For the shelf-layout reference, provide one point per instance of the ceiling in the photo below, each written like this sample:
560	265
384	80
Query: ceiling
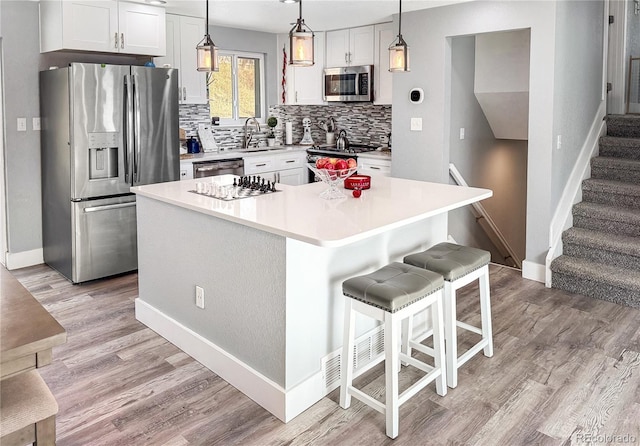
320	15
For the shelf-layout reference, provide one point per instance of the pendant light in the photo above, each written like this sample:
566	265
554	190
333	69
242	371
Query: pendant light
207	50
301	43
399	51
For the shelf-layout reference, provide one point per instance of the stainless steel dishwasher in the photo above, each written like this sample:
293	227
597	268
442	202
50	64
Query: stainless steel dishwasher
218	167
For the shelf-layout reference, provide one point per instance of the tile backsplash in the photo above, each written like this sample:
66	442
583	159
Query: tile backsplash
364	122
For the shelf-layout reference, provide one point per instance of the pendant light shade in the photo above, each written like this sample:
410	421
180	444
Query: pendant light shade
207	50
399	50
301	44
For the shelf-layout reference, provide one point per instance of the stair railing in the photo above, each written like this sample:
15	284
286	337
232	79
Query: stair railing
487	224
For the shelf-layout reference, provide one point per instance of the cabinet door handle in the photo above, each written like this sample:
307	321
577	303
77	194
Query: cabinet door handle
122	40
290	161
296	97
278	175
184	93
374	168
346	57
115	40
261	165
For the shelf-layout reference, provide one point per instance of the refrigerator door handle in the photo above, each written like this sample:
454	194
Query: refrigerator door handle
108	207
128	117
136	131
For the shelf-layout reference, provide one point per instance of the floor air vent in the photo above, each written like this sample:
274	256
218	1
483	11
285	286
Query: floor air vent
365	349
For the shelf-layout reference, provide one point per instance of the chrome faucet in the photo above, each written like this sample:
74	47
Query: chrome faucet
249	135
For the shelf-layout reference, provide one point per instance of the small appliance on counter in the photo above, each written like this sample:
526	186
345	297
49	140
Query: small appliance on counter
306	138
192	145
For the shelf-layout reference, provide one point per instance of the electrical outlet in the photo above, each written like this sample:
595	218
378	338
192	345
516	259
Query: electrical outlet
199	297
22	124
416	124
35	124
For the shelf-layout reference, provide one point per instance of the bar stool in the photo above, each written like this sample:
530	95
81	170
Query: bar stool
27	411
459	265
392	294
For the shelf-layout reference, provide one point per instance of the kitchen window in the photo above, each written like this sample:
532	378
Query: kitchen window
236	91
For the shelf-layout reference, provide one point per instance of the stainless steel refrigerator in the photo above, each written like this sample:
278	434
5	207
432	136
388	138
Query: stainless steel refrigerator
104	129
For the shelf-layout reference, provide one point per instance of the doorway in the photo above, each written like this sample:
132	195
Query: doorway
488	140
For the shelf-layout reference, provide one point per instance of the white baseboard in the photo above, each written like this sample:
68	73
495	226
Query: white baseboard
23	259
533	271
284	404
572	193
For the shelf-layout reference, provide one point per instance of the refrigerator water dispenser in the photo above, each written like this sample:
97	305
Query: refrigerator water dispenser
103	155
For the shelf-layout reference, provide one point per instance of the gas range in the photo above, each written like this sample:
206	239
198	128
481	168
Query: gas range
333	151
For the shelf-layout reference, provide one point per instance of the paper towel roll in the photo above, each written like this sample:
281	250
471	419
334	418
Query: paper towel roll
288	127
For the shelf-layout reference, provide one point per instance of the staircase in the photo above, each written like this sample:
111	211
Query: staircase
602	251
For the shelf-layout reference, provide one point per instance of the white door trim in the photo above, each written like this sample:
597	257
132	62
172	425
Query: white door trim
3	202
617	65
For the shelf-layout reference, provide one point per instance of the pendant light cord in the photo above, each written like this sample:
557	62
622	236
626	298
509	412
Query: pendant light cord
206	19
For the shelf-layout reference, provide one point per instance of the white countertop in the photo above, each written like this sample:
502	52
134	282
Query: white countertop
299	213
376	154
233	154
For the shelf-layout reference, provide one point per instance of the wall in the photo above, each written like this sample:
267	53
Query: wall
255	42
578	81
499	165
424	155
365	123
19	25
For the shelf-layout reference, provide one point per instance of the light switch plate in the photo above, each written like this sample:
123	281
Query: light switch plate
416	124
22	124
35	123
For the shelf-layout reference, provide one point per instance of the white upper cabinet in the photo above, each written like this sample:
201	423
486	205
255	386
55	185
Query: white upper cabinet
108	26
383	79
183	34
303	84
347	47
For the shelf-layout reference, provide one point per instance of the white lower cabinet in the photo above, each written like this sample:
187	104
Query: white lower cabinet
371	166
282	168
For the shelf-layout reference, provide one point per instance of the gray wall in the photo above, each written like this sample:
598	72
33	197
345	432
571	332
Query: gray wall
499	165
256	42
425	155
19	25
578	81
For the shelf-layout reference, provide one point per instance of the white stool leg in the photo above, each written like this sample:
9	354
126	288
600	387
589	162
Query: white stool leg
407	335
450	334
485	311
438	345
391	332
346	363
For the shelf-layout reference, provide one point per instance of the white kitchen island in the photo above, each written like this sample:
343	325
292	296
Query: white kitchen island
272	268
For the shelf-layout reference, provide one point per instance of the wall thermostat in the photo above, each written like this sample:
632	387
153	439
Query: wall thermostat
417	95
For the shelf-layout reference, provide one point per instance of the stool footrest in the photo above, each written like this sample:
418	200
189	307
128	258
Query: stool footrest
422	336
422	348
469	327
472	351
368	400
426	368
418	386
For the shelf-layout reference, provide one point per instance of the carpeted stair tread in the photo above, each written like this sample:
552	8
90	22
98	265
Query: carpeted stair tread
607	212
610	192
605	163
603	247
598	280
596	239
611	186
602	217
611	146
623	125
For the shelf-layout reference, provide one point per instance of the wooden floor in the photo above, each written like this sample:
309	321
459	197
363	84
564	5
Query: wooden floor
566	370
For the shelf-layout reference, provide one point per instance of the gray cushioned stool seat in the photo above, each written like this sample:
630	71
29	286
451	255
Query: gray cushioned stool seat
451	260
393	287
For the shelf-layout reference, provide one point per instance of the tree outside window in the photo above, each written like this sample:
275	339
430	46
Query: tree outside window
236	90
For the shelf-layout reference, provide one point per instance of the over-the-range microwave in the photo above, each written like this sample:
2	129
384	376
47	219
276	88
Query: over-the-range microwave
348	84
